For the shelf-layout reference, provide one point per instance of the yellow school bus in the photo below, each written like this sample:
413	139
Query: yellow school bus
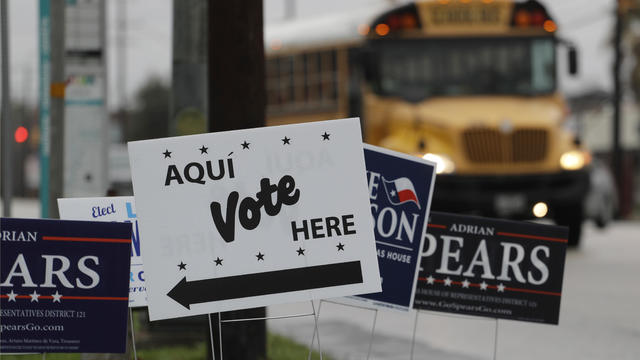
470	84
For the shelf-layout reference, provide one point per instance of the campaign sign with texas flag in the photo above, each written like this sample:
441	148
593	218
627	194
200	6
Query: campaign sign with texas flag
64	286
400	191
400	188
254	217
493	268
117	208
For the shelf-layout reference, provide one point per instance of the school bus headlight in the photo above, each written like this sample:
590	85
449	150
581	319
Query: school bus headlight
444	164
574	160
540	209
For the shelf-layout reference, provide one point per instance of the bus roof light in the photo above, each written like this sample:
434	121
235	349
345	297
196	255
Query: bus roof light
538	18
382	29
550	26
394	22
409	21
276	44
363	29
532	14
398	20
522	18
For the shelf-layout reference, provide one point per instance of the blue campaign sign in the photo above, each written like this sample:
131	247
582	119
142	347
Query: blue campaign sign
113	208
64	286
400	191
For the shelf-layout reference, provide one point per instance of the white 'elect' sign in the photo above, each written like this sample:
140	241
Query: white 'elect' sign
248	218
117	208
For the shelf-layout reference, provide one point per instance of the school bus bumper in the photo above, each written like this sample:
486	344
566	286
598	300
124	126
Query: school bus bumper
511	196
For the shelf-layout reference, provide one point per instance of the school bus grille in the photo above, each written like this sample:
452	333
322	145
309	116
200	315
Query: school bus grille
492	146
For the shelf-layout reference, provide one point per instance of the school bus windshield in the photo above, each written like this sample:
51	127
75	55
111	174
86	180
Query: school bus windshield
416	69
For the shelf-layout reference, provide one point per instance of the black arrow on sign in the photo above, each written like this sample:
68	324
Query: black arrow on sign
188	293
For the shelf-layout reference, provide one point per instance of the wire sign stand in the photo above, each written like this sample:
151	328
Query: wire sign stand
216	320
316	331
415	328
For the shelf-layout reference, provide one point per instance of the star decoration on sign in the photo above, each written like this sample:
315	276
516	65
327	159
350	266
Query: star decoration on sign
260	256
56	297
12	296
167	153
218	261
392	192
203	150
34	296
501	287
447	282
340	246
430	280
182	266
325	136
286	141
465	284
245	145
483	286
300	251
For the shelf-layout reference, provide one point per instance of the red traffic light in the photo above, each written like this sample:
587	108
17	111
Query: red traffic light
21	134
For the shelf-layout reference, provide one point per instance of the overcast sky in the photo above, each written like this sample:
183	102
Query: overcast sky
587	23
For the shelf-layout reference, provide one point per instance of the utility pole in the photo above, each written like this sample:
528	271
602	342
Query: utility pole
121	65
56	170
189	71
237	100
7	142
616	149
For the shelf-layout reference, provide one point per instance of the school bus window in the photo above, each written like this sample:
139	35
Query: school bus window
286	80
306	82
299	88
329	77
272	83
312	77
465	67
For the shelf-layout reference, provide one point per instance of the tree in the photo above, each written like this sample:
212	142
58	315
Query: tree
150	117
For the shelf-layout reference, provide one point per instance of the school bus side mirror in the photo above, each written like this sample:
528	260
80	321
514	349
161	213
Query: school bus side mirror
573	60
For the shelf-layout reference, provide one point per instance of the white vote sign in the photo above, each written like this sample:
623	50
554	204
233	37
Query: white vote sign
117	208
248	218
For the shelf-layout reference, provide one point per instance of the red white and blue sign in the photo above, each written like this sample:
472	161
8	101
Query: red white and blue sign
64	286
400	192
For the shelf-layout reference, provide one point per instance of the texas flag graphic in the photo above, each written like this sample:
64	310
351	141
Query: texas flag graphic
400	191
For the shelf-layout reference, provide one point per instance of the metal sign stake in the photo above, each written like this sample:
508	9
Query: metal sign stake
213	349
316	330
495	343
133	336
373	330
413	336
